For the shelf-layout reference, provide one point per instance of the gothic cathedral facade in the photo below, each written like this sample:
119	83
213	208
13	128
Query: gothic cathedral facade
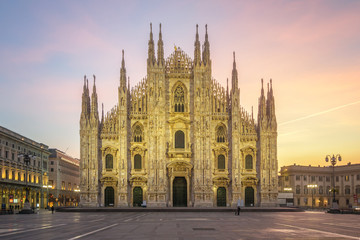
178	138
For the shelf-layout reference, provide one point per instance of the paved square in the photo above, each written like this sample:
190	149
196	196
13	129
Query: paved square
180	225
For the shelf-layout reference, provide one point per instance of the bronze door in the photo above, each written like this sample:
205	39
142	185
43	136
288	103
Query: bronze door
249	197
109	197
221	197
179	192
137	197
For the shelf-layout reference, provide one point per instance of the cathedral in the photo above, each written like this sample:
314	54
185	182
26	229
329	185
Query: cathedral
178	138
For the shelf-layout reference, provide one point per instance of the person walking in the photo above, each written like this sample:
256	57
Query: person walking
238	207
52	209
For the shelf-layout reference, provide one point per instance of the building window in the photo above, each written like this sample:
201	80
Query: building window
357	189
6	174
52	163
297	177
337	178
347	189
220	134
305	190
358	177
321	190
51	169
138	134
12	156
221	162
137	162
312	178
51	183
19	177
327	178
179	99
298	189
337	190
305	178
248	162
6	154
62	185
69	186
347	178
298	201
13	175
286	178
109	161
320	178
179	139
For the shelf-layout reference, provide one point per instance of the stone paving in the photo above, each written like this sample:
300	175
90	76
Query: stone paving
180	225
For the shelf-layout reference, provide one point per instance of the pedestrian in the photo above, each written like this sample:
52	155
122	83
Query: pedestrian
238	207
52	209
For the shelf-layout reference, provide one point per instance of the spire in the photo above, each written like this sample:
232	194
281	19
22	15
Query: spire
271	107
234	79
102	113
206	49
160	52
88	96
262	104
123	73
151	49
94	103
85	101
197	56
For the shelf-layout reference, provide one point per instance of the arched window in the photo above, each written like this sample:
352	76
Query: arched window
248	162
220	134
297	189
138	134
109	161
221	162
179	139
179	99
321	190
137	162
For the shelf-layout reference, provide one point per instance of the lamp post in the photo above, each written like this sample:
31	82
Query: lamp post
26	209
333	160
312	187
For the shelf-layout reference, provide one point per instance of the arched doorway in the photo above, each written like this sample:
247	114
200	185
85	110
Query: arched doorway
249	197
109	197
179	192
137	196
221	197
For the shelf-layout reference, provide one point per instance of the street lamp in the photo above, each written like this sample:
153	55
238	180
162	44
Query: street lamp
27	158
312	187
333	160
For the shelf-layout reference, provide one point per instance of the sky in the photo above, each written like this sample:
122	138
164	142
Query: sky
310	50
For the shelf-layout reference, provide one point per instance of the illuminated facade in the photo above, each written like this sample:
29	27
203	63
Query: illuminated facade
297	179
178	138
64	179
13	170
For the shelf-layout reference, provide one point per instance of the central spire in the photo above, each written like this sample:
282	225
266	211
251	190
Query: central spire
123	72
160	49
234	79
151	50
197	56
206	50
